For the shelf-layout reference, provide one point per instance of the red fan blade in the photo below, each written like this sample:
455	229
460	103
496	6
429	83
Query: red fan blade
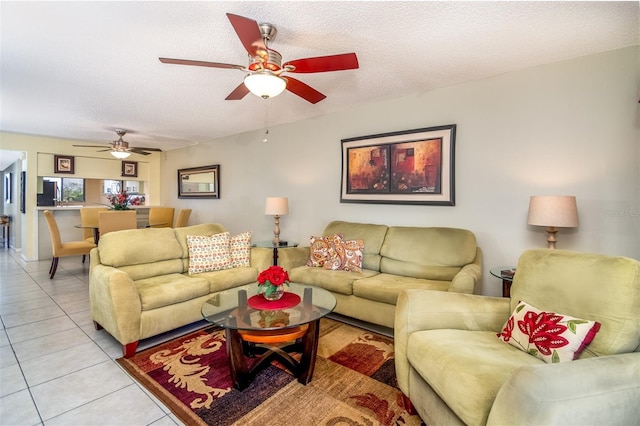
238	93
249	34
199	63
346	61
304	90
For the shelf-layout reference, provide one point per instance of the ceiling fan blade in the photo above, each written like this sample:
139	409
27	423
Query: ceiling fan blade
304	90
345	61
138	151
200	63
91	146
238	93
146	149
249	34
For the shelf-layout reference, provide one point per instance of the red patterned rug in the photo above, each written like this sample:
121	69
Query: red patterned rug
353	383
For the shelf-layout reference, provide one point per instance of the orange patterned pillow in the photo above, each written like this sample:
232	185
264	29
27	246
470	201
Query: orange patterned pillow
345	255
319	250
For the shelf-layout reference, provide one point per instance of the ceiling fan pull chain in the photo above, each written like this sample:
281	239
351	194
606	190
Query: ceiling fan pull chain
266	121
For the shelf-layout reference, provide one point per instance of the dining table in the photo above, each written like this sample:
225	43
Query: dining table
96	228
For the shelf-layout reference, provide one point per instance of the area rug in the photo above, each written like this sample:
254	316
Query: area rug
354	382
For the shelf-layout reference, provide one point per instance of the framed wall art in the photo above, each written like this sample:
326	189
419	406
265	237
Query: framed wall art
199	182
130	168
8	194
63	164
406	167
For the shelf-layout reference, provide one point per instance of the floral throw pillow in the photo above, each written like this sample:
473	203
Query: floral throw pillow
319	250
345	255
549	336
240	250
209	253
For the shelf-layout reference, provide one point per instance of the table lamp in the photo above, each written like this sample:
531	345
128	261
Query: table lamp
552	211
276	207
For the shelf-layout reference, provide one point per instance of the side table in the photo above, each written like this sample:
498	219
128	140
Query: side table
275	247
505	273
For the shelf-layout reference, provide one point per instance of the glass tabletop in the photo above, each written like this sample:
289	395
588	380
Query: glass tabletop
271	244
503	272
242	308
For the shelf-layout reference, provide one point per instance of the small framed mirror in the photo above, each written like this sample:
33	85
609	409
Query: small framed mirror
199	182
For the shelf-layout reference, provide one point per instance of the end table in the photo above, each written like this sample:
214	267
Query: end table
505	273
270	244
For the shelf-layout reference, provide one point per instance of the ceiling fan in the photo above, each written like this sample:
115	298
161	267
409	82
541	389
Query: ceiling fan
120	148
265	66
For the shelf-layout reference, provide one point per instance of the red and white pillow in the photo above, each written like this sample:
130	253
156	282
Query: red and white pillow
219	251
332	252
548	336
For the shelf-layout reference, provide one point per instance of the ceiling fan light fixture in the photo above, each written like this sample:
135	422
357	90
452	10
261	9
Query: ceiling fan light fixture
120	154
265	84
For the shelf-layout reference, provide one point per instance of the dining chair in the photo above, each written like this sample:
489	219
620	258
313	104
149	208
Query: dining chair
161	217
60	249
183	218
116	220
89	222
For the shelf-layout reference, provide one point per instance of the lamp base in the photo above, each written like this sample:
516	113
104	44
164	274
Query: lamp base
551	237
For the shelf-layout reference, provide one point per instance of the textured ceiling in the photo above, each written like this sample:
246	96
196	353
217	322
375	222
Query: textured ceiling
78	70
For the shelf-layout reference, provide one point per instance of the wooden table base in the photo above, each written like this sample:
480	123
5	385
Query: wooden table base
263	344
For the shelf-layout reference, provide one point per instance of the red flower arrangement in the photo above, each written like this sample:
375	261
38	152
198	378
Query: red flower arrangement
271	281
122	200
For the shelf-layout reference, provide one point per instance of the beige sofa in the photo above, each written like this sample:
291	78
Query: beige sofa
140	287
455	370
394	259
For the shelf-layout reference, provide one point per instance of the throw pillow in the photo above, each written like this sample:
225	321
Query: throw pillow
549	336
240	250
208	253
345	255
319	250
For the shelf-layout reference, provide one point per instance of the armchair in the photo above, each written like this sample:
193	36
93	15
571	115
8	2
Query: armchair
453	369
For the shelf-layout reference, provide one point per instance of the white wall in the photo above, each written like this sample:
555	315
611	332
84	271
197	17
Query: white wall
568	128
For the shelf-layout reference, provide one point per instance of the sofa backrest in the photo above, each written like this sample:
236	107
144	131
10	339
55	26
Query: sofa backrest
142	253
427	252
587	286
372	234
149	252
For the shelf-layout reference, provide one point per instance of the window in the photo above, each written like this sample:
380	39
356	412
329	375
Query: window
69	189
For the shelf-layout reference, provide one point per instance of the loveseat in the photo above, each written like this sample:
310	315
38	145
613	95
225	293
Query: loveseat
460	359
140	286
394	258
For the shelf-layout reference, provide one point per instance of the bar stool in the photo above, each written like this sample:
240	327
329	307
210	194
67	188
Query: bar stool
6	230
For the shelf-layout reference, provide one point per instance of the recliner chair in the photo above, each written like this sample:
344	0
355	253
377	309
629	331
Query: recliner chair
453	368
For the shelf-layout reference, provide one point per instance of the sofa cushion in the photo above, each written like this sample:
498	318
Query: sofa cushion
386	288
229	278
549	336
240	250
209	253
336	281
465	368
429	253
165	290
138	246
373	236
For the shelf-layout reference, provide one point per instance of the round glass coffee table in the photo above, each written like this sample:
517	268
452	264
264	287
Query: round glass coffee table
258	331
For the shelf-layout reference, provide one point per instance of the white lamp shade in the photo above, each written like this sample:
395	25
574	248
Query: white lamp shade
265	84
120	154
553	210
277	206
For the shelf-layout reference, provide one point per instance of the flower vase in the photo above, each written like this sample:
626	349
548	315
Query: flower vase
273	292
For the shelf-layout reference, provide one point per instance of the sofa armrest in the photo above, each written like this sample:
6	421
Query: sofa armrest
261	258
292	257
594	391
431	309
467	279
115	303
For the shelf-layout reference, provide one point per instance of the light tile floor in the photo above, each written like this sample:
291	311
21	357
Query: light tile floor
55	368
